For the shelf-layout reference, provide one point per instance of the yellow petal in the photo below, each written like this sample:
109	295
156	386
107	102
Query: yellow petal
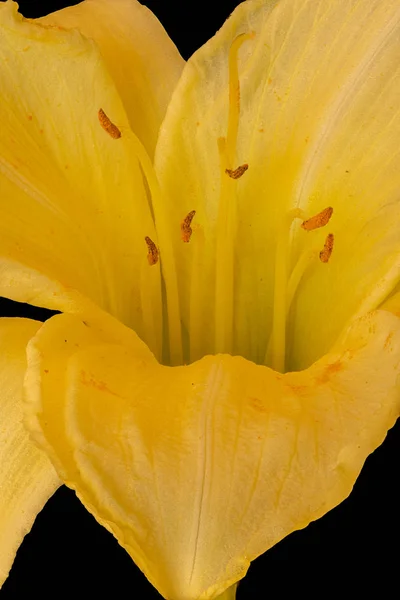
143	62
27	478
199	469
318	126
74	210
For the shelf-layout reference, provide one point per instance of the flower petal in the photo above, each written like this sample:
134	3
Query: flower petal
27	478
143	61
199	469
319	126
74	209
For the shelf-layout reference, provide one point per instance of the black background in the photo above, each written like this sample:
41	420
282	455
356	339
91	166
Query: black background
352	551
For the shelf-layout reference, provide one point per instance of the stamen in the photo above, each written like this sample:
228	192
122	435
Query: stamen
325	254
150	299
305	261
108	126
284	289
319	220
152	255
165	235
186	230
238	172
278	334
198	286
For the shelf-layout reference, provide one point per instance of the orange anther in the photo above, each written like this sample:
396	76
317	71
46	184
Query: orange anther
238	172
108	126
152	254
319	220
186	230
325	254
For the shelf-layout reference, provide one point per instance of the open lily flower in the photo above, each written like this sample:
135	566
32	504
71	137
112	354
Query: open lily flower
225	253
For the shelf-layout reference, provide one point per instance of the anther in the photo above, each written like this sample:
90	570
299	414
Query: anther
186	230
108	125
152	254
238	172
326	252
319	220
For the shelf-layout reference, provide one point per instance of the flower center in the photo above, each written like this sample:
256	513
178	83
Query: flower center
170	345
193	268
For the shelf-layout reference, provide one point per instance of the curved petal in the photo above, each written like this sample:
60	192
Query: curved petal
318	126
143	62
74	209
199	469
27	478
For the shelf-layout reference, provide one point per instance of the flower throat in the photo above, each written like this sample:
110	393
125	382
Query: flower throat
181	343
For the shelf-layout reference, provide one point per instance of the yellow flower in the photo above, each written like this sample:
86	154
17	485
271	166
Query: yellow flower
229	352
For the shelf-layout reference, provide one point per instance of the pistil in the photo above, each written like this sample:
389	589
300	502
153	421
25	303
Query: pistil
226	224
224	268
